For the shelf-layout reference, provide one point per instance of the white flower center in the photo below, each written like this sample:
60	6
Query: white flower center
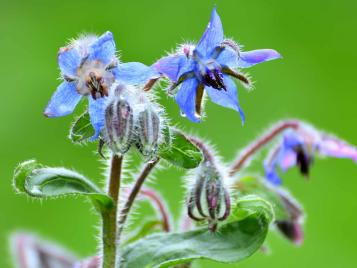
94	78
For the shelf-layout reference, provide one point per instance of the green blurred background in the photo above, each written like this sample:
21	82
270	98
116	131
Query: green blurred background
315	81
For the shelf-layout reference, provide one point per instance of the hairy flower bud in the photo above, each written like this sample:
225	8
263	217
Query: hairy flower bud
209	200
291	227
119	121
291	230
148	131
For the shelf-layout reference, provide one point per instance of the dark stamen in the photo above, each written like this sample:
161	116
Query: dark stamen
96	85
303	161
214	78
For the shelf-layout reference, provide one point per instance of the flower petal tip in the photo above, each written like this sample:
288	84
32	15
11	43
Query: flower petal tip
47	114
276	55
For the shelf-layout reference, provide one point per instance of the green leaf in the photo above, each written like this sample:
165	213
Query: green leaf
145	229
289	216
38	181
81	129
257	186
178	150
234	241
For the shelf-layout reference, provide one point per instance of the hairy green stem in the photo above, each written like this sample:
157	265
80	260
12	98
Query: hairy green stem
110	230
134	193
261	142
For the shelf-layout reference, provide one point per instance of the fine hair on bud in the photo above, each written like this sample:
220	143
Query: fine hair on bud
209	198
119	125
148	130
132	117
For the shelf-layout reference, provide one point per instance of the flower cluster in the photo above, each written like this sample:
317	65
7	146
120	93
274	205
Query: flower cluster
123	114
132	118
89	67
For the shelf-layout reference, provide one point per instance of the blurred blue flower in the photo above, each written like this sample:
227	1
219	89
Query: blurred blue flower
208	66
298	148
89	67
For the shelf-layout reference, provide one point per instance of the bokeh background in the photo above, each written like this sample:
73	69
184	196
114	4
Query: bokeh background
316	81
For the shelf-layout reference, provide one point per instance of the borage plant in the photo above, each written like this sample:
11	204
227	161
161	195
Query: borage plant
227	214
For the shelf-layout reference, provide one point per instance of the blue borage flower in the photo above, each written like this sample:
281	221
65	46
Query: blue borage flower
298	148
209	66
89	67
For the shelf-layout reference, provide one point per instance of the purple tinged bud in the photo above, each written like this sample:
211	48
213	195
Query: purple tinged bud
119	122
94	262
31	252
291	227
148	131
209	200
291	230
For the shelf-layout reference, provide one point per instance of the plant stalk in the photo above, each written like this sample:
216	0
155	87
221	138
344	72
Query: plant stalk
110	229
134	193
156	200
261	142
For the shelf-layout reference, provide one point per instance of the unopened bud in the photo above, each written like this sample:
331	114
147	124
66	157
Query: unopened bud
291	227
209	200
119	122
291	230
148	131
31	252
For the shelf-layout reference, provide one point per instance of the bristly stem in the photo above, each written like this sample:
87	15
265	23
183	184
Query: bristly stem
110	229
261	142
155	198
204	148
134	193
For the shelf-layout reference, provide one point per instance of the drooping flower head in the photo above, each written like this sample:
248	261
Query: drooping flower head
298	148
89	67
208	197
209	67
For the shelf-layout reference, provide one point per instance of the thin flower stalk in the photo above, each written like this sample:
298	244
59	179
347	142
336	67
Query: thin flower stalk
110	229
134	193
260	143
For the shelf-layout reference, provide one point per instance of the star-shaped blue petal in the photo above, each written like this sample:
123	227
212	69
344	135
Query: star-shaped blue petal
208	66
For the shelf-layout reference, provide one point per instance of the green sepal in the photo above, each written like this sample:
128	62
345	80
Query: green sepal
81	129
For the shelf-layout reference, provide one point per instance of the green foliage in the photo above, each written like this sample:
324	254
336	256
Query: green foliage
178	150
236	240
146	228
257	186
81	129
288	214
38	181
